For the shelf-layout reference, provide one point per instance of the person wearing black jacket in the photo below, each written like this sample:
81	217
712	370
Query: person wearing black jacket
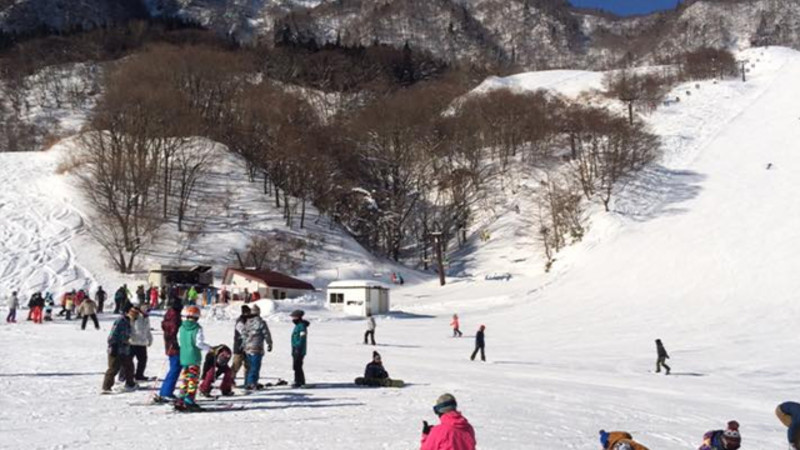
239	356
100	297
480	344
662	357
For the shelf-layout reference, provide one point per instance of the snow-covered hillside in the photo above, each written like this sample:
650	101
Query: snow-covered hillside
700	251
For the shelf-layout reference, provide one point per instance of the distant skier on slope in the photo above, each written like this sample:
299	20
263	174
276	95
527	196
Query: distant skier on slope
789	414
662	357
480	344
376	375
619	440
456	326
453	432
192	343
727	439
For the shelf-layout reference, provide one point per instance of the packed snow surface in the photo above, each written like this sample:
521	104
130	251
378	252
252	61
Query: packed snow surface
701	251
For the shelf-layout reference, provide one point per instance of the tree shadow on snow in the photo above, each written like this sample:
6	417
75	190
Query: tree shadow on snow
656	190
51	374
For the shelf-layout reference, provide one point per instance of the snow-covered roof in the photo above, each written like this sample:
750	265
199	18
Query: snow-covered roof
344	284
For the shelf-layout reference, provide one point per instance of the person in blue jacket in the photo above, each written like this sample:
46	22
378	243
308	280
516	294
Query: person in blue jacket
299	340
789	414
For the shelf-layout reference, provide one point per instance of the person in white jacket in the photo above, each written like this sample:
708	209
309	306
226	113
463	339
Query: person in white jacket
13	304
370	329
141	338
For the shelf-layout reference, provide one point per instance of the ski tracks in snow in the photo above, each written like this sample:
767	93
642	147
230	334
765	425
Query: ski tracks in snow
37	227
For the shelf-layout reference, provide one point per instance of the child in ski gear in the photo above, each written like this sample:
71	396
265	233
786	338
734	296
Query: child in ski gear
69	305
480	344
141	338
256	332
662	357
727	439
48	307
170	326
454	431
619	440
299	344
88	309
38	307
13	304
100	297
456	331
239	356
192	343
119	350
216	364
789	414
370	329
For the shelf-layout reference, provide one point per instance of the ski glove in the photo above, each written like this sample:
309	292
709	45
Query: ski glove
425	427
269	347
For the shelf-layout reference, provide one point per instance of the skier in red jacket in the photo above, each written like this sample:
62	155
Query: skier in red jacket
454	431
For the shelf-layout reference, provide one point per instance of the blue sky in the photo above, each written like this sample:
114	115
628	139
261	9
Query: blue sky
627	7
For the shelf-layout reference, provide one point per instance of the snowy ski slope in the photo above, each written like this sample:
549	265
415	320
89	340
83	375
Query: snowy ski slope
702	252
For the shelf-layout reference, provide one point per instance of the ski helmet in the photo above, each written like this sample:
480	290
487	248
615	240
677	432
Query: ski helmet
192	312
731	439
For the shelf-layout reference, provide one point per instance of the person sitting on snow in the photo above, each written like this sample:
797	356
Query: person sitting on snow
216	364
375	374
789	414
728	439
619	440
453	432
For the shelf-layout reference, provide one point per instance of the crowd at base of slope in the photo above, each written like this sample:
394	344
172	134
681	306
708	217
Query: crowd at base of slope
184	344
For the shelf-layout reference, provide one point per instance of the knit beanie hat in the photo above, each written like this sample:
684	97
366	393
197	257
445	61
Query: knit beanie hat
245	309
376	355
444	404
731	437
604	438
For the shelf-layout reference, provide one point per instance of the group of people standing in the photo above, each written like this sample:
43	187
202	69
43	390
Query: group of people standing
40	307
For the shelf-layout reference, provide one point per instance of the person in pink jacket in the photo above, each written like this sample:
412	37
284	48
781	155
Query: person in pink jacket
453	432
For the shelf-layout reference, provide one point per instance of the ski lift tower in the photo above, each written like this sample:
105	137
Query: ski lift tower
437	243
743	63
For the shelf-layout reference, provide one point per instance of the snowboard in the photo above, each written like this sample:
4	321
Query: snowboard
361	381
217	407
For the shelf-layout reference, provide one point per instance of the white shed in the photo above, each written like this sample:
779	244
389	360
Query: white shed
358	297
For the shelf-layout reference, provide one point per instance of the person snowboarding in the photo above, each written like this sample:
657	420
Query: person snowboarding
727	439
456	329
619	440
192	343
453	432
119	357
170	325
376	375
13	304
662	357
87	310
100	297
299	346
789	414
214	366
141	338
370	333
239	356
256	333
480	344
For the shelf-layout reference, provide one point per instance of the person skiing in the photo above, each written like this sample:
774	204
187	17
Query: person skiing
376	375
141	338
239	356
88	309
727	439
192	343
13	304
100	296
119	358
256	332
120	298
456	331
619	440
789	414
299	345
216	364
453	432
662	357
480	344
370	329
170	326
